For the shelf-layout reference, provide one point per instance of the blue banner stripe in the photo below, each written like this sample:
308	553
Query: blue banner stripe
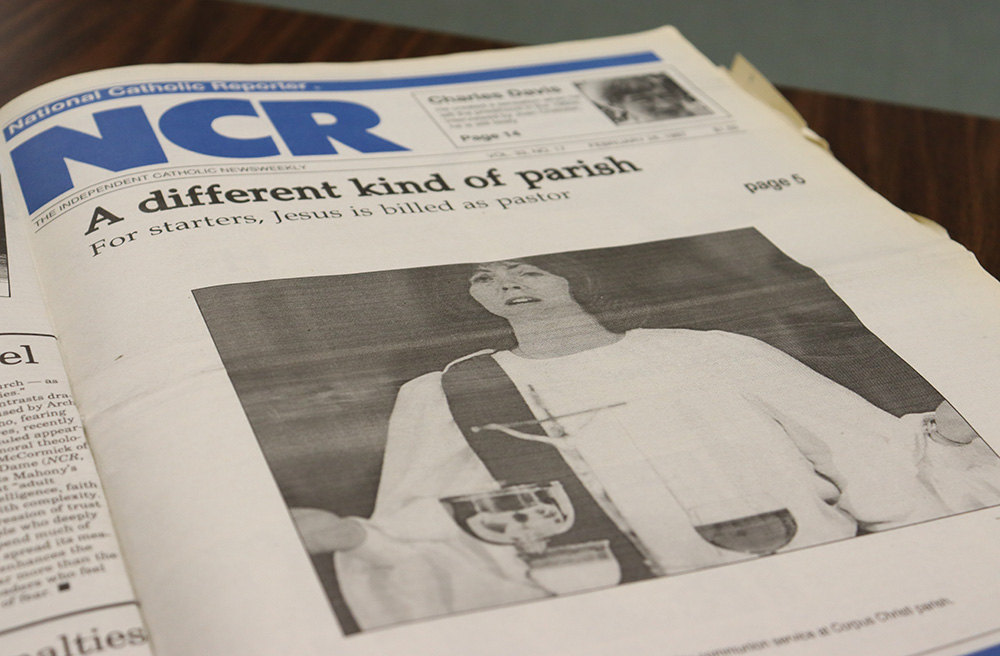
487	75
298	86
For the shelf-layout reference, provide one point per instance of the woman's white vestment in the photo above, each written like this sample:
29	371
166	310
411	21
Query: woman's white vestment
677	428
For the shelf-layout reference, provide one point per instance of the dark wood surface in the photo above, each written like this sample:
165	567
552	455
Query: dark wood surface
941	165
937	164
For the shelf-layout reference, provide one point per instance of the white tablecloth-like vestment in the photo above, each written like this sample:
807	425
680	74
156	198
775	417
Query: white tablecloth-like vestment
701	424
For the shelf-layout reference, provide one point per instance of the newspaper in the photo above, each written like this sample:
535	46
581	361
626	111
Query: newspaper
564	349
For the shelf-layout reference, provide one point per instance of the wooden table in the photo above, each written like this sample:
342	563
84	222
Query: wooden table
941	165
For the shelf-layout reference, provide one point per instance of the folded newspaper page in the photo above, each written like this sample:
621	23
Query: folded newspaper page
63	584
564	349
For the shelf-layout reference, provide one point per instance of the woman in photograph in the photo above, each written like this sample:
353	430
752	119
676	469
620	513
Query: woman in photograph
644	98
677	450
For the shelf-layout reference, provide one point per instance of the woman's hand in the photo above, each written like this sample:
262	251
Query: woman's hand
950	426
323	532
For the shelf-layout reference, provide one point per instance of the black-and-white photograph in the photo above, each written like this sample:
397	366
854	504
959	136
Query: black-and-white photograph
642	98
455	438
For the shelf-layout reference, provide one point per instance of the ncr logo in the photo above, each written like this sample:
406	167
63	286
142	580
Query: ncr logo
127	139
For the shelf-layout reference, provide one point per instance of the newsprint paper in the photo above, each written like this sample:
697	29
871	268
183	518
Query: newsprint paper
574	349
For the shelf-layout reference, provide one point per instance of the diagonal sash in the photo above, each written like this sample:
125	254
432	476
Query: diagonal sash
479	392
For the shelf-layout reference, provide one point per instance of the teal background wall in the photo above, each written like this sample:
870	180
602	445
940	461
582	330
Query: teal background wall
943	54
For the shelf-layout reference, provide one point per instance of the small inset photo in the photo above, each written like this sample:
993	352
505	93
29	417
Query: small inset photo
642	98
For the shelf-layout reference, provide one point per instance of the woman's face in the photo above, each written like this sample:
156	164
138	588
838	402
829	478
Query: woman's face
653	105
513	289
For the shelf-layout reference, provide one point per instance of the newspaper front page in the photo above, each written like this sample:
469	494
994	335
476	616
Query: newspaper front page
568	349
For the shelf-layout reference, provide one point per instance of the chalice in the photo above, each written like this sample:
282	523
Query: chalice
526	517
